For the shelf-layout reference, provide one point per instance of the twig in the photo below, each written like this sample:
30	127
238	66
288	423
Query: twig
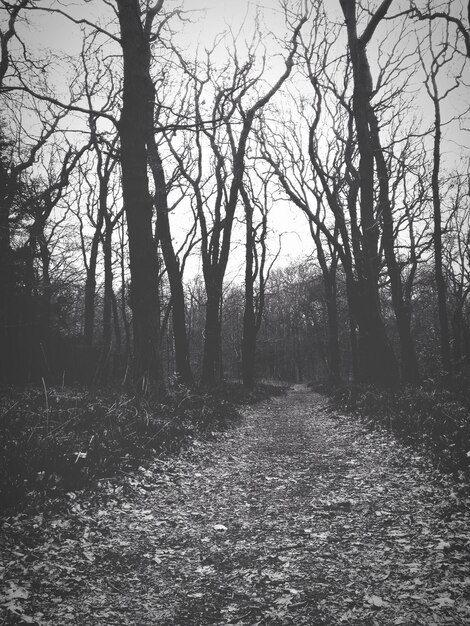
291	547
47	404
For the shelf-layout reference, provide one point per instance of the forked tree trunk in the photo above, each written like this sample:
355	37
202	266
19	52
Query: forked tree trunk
377	363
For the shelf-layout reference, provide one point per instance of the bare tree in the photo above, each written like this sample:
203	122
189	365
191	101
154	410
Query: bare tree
136	118
440	60
458	21
456	249
228	150
256	196
381	364
13	10
296	175
39	206
172	264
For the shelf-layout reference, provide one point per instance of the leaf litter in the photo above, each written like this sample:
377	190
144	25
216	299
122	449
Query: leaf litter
297	517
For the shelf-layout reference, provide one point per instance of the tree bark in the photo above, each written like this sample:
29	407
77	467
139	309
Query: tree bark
90	285
333	359
402	308
6	265
249	317
104	369
377	363
212	355
133	125
438	264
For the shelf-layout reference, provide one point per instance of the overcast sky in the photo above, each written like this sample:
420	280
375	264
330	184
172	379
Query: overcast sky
211	18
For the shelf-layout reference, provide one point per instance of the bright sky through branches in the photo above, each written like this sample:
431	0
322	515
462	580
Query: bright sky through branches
209	18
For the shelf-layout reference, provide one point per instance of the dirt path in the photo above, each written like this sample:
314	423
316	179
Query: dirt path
296	517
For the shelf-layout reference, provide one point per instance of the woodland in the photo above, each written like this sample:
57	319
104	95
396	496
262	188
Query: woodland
197	216
140	178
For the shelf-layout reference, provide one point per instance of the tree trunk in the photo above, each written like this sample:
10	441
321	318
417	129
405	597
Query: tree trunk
465	344
409	362
457	323
46	296
133	125
5	237
107	305
108	291
353	346
329	286
249	317
249	349
333	359
438	265
212	356
126	357
6	266
178	308
90	286
377	363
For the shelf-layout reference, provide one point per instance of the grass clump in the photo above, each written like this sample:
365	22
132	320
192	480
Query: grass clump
62	439
434	419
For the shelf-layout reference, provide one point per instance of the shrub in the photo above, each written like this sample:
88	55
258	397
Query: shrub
63	439
421	417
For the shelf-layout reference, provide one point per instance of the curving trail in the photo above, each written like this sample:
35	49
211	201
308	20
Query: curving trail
296	517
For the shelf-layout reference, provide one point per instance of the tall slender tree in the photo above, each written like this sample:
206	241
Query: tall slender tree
136	118
441	58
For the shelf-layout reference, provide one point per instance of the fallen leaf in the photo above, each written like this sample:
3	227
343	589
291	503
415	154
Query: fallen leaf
375	601
15	592
444	601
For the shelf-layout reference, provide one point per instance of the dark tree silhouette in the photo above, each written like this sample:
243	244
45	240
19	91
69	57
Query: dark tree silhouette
136	118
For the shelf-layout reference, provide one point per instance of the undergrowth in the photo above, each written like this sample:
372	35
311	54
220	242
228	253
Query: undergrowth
57	439
434	419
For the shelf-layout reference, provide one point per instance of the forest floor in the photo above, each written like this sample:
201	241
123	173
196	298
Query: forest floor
298	516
